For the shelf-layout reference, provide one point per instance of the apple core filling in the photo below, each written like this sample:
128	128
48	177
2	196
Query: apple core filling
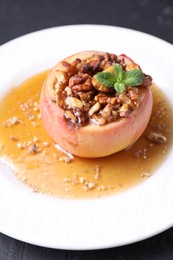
101	89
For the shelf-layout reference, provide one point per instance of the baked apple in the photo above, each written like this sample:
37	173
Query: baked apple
94	104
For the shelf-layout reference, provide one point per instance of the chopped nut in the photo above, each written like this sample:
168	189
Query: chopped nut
33	149
58	88
81	117
82	180
76	79
85	96
96	168
82	87
89	185
91	65
86	107
34	123
156	138
31	117
80	82
70	116
12	121
66	180
20	145
61	77
68	91
114	115
141	153
39	116
146	174
112	100
101	188
24	106
98	119
124	110
66	189
35	139
44	153
107	112
94	109
101	98
13	138
133	93
46	144
126	100
36	107
73	102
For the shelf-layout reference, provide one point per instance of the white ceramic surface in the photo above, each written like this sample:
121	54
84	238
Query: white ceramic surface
130	216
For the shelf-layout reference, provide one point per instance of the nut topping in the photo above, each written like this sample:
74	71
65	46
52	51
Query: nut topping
85	100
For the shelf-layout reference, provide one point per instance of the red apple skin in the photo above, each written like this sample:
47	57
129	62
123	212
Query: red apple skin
92	140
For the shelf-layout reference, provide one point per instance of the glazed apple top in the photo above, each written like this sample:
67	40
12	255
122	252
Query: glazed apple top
98	89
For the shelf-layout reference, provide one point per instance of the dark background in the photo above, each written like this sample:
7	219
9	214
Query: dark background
19	17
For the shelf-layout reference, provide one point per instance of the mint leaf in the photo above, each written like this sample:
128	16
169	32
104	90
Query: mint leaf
118	72
119	87
105	78
133	78
120	79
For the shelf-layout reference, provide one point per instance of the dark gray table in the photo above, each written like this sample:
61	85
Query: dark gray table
19	17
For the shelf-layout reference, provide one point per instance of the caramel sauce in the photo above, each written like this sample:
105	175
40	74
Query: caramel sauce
26	147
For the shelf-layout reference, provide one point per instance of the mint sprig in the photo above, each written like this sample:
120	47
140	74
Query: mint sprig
120	79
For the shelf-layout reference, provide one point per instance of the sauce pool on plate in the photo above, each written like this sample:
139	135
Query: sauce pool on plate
28	150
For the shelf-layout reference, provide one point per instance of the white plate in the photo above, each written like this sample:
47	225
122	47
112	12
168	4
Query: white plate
130	216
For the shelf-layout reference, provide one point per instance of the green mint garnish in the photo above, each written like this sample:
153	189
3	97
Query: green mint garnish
120	79
106	78
133	77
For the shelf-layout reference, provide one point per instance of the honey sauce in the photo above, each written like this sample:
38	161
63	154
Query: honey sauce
32	156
